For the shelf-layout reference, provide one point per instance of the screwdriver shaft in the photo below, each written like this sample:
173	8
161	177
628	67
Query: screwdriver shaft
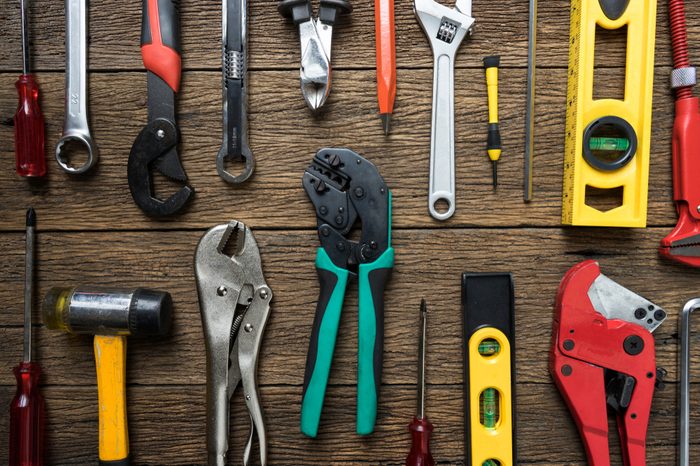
29	283
421	360
25	38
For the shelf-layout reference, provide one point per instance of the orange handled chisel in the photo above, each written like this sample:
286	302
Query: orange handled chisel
386	59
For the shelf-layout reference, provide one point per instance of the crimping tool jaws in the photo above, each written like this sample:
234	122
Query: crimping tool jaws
344	187
602	357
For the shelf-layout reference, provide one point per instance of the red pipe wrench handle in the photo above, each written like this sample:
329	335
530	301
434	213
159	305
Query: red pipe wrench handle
686	189
686	155
160	41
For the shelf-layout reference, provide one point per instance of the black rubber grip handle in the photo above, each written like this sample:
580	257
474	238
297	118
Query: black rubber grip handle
299	11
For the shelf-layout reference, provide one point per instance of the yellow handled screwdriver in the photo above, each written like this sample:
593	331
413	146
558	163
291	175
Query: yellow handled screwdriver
493	141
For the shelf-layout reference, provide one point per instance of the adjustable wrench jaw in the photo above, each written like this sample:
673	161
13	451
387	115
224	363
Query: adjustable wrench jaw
683	243
235	305
603	356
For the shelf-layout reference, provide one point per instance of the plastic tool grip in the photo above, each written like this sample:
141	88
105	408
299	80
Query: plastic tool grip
29	129
160	40
27	418
110	362
373	278
420	443
686	162
333	281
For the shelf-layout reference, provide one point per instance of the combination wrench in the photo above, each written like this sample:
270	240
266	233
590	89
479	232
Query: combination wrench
446	28
76	129
235	91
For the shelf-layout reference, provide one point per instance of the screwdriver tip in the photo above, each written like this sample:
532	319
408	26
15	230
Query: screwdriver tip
386	122
31	217
423	306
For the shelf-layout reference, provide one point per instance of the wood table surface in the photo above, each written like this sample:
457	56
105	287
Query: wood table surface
90	231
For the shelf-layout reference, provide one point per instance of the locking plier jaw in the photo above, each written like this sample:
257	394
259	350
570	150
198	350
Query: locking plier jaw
602	357
235	305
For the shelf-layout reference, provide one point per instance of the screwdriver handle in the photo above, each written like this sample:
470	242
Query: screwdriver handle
27	418
29	129
420	455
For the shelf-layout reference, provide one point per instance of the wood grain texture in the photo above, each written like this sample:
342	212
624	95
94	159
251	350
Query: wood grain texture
90	231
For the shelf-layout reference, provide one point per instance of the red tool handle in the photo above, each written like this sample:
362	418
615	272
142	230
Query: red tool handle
27	418
160	40
29	129
420	447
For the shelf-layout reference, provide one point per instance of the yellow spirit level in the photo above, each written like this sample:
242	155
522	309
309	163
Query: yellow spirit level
623	167
487	302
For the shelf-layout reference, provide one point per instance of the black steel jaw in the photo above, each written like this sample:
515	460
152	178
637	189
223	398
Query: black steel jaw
155	148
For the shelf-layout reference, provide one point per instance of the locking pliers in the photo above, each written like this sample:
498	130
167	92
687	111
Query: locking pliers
234	301
602	357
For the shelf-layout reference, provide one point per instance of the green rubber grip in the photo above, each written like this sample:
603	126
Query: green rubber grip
372	279
333	280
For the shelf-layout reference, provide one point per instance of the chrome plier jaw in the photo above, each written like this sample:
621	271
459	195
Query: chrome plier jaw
602	358
234	303
315	37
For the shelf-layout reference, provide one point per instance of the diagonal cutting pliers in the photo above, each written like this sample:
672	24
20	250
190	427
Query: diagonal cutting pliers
156	145
344	188
315	35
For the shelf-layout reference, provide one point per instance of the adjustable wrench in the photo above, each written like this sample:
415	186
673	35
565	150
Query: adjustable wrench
234	45
75	125
446	28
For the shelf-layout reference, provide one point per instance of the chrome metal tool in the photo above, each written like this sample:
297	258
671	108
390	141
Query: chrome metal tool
234	44
76	129
530	101
446	28
684	422
234	301
315	35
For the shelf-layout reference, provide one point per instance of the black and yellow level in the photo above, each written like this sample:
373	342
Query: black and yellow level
487	303
608	140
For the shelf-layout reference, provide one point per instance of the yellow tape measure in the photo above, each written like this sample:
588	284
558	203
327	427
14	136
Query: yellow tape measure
608	140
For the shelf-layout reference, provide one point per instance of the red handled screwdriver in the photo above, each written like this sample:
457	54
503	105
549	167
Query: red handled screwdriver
29	122
27	407
421	428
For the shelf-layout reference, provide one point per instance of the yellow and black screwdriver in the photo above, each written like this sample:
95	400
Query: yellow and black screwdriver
493	141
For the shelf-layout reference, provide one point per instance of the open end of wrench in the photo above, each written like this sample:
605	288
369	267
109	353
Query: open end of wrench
71	147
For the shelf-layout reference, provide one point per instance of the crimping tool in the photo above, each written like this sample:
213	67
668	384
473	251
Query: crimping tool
345	187
602	356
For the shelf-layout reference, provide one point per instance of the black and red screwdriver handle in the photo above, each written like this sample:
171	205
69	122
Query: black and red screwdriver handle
161	47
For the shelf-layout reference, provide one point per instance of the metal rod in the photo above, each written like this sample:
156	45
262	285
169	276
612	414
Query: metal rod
421	359
684	422
29	284
530	101
25	37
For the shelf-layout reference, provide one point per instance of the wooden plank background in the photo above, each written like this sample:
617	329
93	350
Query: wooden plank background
90	231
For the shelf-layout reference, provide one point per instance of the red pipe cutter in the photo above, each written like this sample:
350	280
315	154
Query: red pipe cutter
603	357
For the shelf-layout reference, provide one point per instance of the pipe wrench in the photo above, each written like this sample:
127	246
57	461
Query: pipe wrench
156	145
234	44
234	302
446	28
602	358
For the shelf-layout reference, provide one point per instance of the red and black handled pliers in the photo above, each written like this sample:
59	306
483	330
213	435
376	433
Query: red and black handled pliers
156	145
603	358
